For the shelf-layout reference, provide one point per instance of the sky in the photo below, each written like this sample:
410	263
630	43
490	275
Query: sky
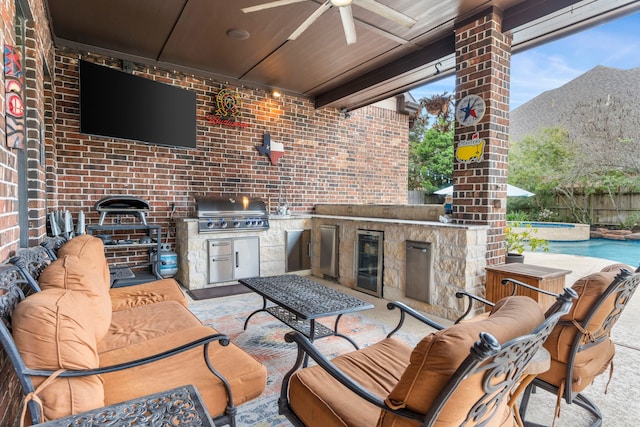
614	44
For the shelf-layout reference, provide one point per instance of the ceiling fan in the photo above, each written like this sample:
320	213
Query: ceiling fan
345	14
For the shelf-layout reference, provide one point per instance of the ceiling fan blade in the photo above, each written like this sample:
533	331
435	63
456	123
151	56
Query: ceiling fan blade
386	12
310	20
347	23
269	5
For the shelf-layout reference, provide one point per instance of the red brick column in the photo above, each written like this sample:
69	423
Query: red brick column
483	57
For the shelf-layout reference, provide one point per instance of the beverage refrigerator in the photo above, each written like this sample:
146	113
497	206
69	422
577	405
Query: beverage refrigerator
369	261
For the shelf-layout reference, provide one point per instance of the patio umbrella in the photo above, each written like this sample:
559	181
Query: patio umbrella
512	191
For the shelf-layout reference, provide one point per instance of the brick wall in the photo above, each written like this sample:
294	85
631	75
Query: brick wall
328	158
483	55
33	38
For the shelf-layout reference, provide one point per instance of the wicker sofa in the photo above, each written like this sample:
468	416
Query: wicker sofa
106	345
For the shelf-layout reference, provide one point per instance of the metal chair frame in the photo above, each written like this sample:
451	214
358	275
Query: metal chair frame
502	367
622	289
624	285
14	285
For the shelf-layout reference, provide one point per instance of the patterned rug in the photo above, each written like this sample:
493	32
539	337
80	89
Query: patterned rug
264	340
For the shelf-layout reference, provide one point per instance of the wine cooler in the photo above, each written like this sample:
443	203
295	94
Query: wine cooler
369	248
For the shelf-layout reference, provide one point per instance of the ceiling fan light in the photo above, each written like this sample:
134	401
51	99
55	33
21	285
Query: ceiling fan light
238	34
341	3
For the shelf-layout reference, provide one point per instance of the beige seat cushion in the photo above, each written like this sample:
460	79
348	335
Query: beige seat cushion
595	360
246	375
320	400
70	272
144	323
53	329
90	250
438	355
407	377
146	293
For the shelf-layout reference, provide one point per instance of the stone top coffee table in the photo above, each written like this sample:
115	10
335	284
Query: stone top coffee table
300	301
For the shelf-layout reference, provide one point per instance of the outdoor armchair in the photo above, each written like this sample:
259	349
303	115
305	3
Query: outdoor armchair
580	345
464	374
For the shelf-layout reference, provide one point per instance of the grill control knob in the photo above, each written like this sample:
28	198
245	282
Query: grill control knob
210	224
236	224
223	224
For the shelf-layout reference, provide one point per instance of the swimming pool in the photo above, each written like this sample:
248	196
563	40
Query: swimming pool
553	230
626	251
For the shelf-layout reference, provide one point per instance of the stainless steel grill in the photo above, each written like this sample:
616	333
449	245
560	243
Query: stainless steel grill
217	214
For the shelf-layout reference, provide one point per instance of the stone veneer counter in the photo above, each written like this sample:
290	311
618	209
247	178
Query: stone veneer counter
459	257
459	254
192	248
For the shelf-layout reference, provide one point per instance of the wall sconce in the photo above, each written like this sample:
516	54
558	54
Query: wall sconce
276	93
345	113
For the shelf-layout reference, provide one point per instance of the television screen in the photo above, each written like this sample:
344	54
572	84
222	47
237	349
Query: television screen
120	105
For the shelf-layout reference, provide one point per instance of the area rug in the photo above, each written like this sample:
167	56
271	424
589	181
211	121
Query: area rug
264	340
218	291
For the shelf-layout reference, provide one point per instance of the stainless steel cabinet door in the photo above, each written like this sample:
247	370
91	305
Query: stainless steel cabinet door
246	257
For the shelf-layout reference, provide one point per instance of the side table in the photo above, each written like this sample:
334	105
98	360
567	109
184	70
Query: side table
178	406
545	278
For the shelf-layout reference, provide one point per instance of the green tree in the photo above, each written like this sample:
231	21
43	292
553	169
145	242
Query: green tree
432	159
431	148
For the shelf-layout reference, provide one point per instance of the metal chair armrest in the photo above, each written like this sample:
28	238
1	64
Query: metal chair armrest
204	341
405	309
470	297
517	283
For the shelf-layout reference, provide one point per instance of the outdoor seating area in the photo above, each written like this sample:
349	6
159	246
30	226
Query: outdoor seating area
77	345
383	382
207	220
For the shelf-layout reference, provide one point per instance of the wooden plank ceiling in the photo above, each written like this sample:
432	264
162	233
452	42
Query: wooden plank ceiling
387	58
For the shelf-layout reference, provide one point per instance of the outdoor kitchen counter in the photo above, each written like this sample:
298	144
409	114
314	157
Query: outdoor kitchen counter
398	221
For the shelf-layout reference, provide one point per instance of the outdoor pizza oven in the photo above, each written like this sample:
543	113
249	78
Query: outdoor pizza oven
223	214
122	205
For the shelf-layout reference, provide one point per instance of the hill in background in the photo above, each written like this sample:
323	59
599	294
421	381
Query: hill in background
588	106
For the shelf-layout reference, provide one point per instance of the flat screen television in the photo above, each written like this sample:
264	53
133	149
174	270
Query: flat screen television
120	105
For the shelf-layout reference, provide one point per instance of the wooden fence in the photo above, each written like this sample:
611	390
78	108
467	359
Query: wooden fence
621	209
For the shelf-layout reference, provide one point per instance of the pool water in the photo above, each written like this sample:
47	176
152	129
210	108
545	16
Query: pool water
625	251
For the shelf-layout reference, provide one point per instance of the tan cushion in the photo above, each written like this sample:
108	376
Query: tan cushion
617	267
589	290
318	399
438	355
594	361
144	323
146	293
53	329
69	272
588	364
90	250
246	376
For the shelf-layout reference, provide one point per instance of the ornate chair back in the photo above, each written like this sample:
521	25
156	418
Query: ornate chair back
581	346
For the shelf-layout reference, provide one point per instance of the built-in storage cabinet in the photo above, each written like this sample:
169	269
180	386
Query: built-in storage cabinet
329	250
418	275
233	259
298	248
130	250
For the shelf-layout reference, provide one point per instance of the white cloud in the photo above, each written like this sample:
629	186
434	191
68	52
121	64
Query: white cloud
613	44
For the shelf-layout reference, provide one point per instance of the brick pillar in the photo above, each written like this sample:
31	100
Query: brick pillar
483	58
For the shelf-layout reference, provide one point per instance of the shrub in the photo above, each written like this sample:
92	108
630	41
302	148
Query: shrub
518	216
518	241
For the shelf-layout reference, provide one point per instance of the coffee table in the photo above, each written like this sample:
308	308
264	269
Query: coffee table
300	301
178	406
